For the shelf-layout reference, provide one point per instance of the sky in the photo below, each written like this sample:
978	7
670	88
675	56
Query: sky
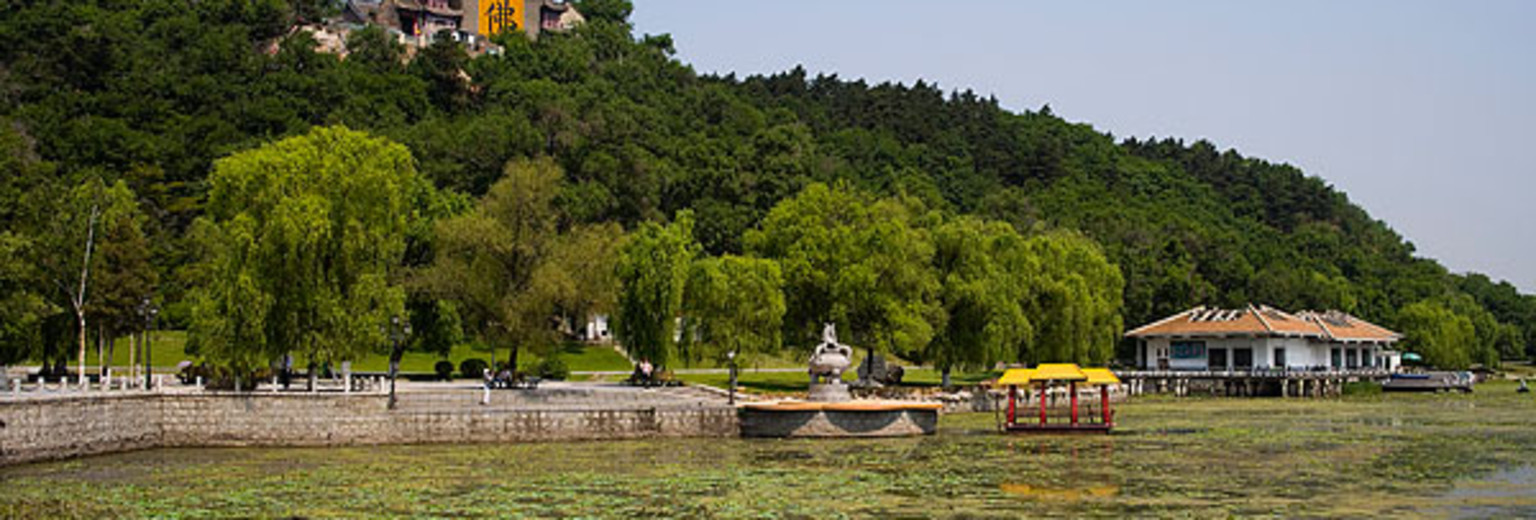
1421	112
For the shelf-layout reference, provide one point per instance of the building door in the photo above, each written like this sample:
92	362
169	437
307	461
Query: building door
1217	359
1242	358
1279	358
1338	360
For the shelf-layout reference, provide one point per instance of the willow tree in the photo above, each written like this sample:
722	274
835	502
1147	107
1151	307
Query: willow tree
981	294
1072	298
862	264
1444	338
653	272
735	307
301	248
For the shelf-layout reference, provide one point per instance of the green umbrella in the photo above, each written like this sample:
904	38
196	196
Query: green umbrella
1412	357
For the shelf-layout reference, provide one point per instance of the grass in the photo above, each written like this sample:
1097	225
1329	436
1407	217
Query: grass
1386	456
169	348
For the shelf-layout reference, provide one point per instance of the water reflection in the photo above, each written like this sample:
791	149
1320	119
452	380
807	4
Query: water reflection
1060	494
1505	493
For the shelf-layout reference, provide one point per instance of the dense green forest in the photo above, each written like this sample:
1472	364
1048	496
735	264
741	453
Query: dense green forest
592	171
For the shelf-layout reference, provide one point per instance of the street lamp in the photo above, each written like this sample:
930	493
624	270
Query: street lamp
398	330
731	358
148	311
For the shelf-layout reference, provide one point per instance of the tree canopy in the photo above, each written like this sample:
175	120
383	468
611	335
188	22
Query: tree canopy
302	246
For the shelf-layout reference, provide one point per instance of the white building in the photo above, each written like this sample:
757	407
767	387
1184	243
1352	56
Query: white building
1263	338
596	330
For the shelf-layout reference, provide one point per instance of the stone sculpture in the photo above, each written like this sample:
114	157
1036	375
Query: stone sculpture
830	358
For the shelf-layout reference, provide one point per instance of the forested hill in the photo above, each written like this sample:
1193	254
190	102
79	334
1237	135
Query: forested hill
151	92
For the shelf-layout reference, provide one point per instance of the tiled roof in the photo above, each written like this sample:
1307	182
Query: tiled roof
1211	321
1341	326
1265	321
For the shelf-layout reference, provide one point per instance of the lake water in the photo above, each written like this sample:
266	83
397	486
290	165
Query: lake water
1386	456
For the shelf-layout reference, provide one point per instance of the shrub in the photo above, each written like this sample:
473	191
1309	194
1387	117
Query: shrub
444	369
552	368
473	368
1362	388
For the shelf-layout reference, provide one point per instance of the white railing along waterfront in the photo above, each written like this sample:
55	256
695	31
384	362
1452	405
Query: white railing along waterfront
23	388
1264	373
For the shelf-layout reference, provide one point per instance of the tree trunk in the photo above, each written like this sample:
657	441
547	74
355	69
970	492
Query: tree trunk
945	379
133	346
80	317
78	298
313	376
101	350
512	359
111	349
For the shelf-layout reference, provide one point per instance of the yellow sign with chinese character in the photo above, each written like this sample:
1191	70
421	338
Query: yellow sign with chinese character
497	16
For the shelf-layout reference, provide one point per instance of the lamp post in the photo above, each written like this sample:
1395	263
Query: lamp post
731	359
398	330
148	311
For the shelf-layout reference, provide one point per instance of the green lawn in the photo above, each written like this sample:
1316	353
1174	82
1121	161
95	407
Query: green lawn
169	348
579	358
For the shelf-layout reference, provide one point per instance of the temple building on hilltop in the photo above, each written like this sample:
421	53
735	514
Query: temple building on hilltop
1257	338
470	21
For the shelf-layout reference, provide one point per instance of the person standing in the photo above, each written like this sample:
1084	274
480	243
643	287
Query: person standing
485	399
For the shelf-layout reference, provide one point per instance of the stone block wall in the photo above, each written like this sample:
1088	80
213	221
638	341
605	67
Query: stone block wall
62	427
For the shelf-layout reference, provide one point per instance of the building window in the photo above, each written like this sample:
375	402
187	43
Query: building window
1338	360
1218	359
1351	358
1242	358
1280	357
1188	349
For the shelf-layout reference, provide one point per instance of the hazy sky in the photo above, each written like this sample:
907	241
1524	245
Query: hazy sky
1421	111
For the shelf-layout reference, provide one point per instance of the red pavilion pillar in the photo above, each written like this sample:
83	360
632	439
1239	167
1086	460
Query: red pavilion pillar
1013	396
1073	387
1104	397
1042	403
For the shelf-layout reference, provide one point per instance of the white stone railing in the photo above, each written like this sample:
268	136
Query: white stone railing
1273	373
20	388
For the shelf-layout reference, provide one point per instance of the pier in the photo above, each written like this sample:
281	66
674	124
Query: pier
1246	383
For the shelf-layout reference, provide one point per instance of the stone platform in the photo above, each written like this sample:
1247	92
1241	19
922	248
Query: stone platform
64	425
841	419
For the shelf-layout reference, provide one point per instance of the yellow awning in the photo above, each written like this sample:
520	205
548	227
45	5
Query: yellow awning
1058	372
1016	376
1101	376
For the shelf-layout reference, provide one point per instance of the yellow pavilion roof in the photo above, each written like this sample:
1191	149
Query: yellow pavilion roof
1016	376
1101	376
1058	372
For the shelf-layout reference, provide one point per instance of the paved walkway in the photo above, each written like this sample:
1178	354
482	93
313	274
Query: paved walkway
423	397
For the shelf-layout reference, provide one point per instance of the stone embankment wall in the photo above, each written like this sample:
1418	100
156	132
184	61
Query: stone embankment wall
61	427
